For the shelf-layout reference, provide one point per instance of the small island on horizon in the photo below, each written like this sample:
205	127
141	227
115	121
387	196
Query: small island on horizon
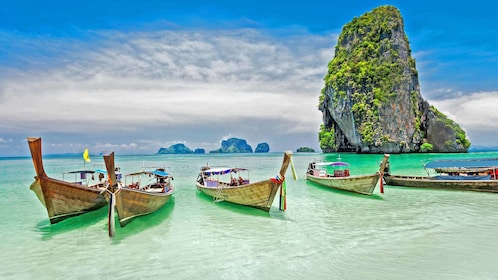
232	145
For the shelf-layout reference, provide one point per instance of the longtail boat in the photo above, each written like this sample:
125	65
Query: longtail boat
229	184
480	174
140	193
337	175
61	198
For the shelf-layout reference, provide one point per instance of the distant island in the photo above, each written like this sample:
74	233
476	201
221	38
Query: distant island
232	145
305	150
262	148
179	149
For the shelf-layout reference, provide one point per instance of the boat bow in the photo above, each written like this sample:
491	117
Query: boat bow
113	189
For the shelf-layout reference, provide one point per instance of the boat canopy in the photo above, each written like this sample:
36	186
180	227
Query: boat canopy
160	173
222	170
80	171
337	163
463	163
86	171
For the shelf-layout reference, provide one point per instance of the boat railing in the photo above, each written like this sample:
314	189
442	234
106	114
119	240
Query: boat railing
218	196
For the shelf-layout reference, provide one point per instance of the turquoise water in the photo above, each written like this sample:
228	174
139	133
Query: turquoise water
324	234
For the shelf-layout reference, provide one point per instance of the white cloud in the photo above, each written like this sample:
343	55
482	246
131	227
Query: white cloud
137	92
131	83
3	140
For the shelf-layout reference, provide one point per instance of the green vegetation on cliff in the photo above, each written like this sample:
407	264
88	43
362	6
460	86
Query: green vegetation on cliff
327	138
426	147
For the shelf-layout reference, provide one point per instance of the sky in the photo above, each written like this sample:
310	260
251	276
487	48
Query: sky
134	76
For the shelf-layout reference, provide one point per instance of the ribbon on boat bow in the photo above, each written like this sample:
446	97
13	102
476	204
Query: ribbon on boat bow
279	179
283	197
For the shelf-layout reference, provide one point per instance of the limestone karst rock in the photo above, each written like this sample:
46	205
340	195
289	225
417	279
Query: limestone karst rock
371	101
233	145
262	148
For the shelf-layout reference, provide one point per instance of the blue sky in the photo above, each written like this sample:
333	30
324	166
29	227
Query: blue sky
135	76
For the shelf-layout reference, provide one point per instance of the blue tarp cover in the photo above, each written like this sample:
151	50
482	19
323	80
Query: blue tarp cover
160	173
463	163
474	178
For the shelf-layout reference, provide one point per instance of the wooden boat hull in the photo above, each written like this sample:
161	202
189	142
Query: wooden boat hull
429	182
357	184
63	200
131	203
363	184
258	195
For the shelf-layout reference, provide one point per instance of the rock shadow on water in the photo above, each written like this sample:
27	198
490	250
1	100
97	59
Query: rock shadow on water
142	223
346	193
241	209
48	230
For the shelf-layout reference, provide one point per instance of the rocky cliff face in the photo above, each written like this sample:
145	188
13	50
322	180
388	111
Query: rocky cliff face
233	145
371	102
175	149
262	148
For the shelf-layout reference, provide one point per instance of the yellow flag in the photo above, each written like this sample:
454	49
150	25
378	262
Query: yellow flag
86	156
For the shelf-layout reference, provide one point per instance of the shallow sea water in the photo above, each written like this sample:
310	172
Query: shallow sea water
324	234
